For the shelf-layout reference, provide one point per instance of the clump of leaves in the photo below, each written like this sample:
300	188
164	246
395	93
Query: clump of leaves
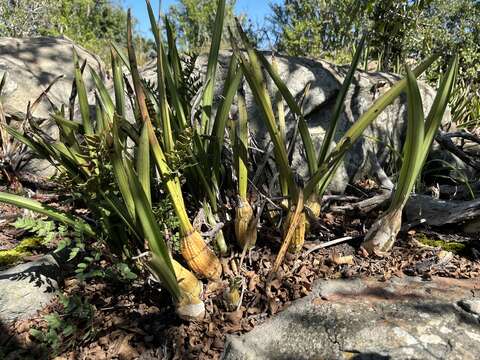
46	230
44	233
94	265
165	214
71	326
50	231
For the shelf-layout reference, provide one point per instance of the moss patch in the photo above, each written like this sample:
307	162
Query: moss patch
9	257
452	246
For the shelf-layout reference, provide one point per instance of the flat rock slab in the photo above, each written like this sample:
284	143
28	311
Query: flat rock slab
26	288
403	318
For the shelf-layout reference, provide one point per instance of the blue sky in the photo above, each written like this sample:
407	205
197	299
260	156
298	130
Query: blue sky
256	10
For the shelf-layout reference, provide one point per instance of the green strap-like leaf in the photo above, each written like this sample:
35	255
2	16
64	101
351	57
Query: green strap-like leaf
357	129
412	150
2	82
143	163
82	97
116	159
232	82
440	103
40	208
153	234
162	101
99	117
173	53
118	85
253	74
339	103
162	97
119	208
171	182
282	126
295	109
207	100
241	146
107	102
121	54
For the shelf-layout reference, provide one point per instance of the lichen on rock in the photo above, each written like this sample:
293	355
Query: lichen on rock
12	256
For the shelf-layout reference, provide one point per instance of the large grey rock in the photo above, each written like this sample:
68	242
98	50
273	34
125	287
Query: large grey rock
31	65
404	318
325	79
28	287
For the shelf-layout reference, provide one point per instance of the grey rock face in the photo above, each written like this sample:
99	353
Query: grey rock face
26	288
403	318
325	81
31	65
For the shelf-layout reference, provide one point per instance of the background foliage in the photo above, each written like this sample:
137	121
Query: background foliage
90	23
398	32
194	21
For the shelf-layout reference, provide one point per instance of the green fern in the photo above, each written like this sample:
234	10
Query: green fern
48	231
44	229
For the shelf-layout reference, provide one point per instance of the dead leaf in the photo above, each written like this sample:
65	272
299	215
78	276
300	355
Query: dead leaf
342	260
234	316
252	284
362	252
318	301
329	218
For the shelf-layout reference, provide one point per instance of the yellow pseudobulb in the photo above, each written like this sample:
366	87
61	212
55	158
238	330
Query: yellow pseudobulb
298	239
187	281
199	257
313	211
245	225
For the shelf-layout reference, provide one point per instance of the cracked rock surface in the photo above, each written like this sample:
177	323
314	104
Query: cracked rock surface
403	318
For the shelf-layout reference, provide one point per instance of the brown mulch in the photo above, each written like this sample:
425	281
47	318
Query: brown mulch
137	322
8	234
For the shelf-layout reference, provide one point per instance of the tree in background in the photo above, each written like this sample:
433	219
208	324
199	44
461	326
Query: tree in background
316	27
447	26
398	32
193	21
390	25
396	29
23	18
90	23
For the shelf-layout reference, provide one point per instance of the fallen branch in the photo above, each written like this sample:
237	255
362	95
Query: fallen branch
463	135
459	192
338	198
441	212
445	141
327	244
366	205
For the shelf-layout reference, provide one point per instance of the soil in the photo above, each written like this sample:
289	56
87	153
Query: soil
137	321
